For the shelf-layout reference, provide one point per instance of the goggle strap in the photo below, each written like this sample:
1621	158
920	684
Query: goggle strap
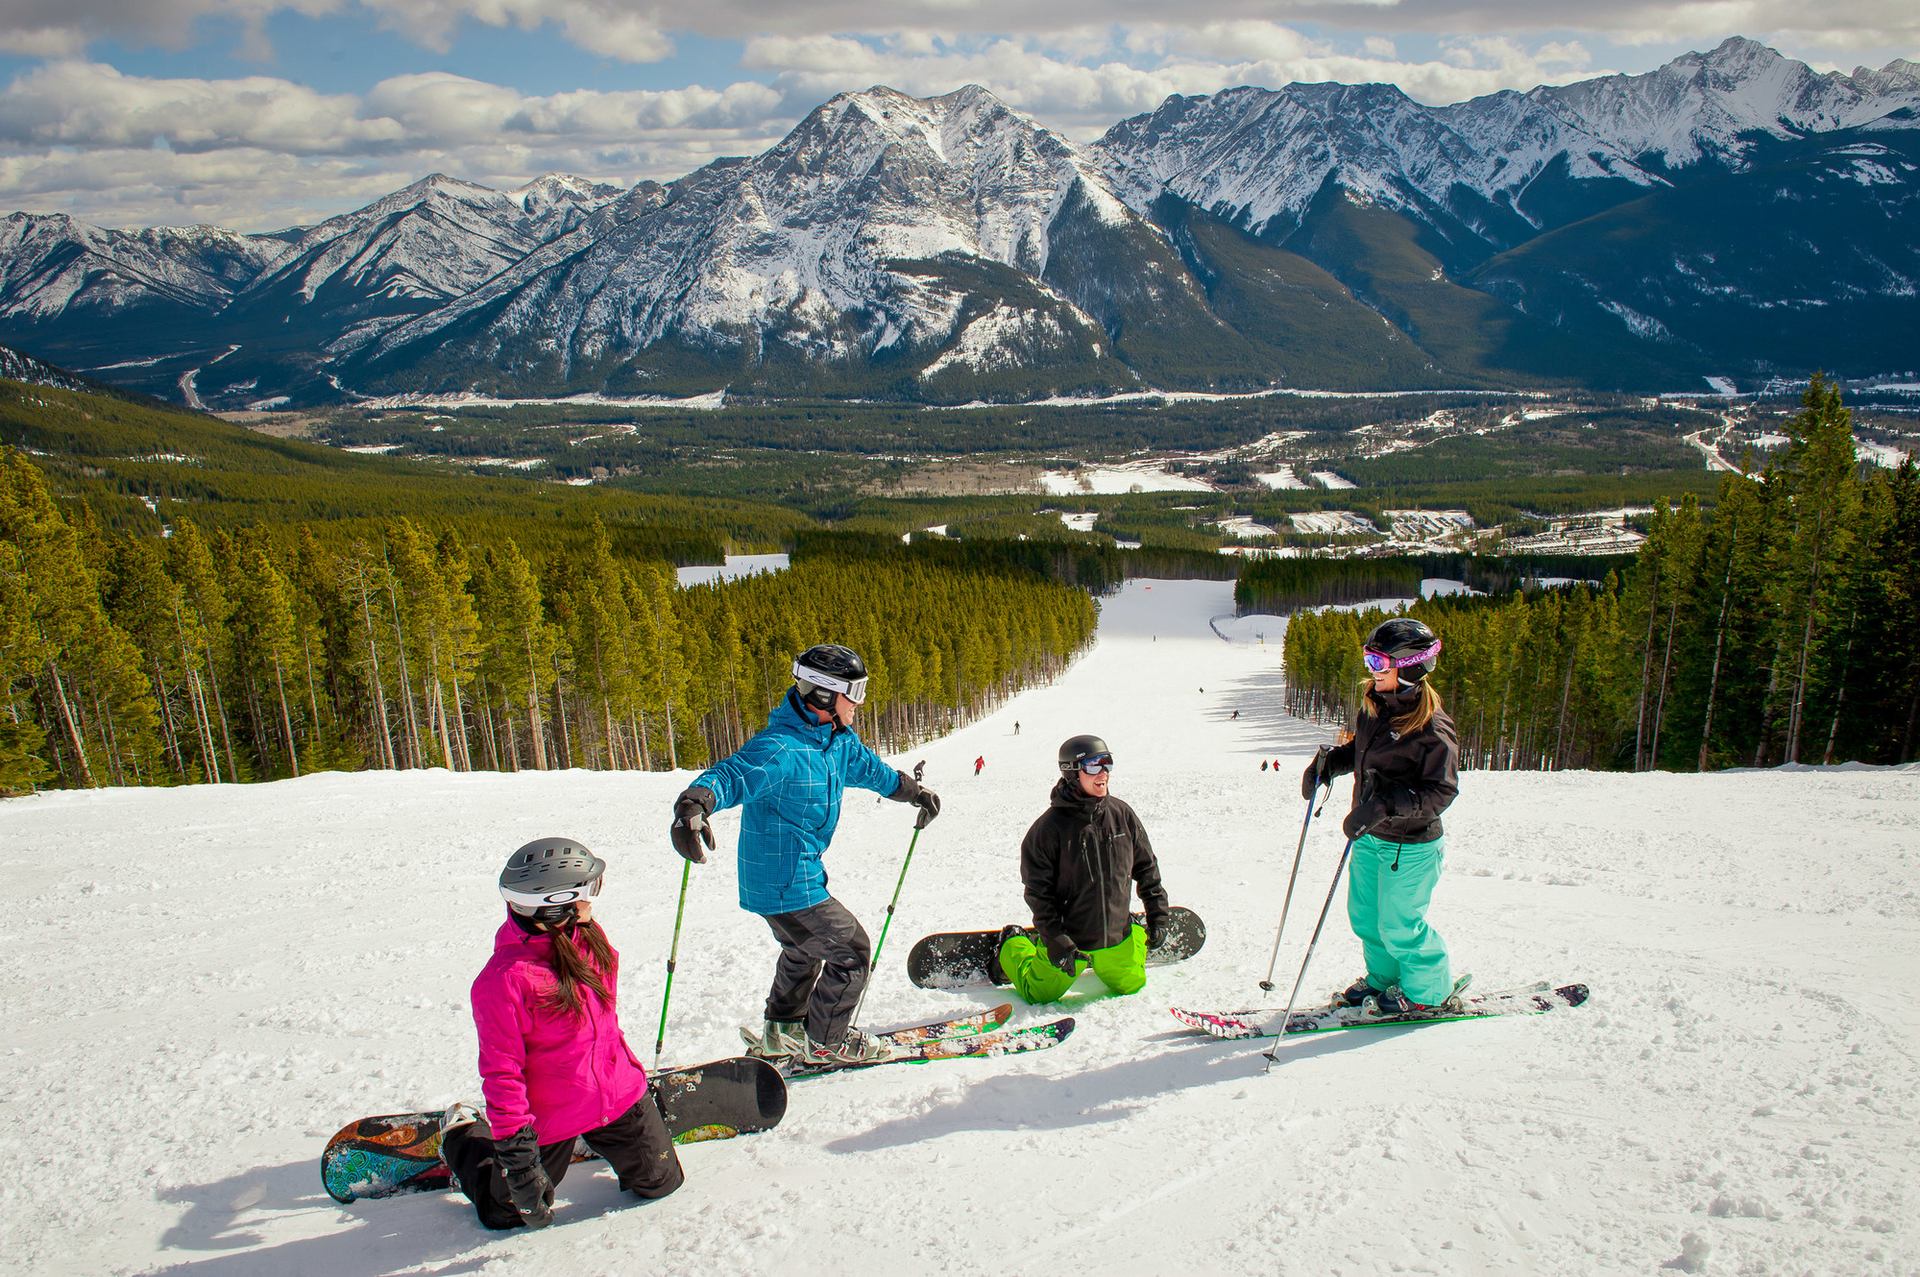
854	690
1420	657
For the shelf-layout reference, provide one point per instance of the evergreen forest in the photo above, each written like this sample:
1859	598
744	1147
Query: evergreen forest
1784	627
271	650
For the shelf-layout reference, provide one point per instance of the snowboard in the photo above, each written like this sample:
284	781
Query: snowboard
1531	1000
400	1152
964	1046
959	959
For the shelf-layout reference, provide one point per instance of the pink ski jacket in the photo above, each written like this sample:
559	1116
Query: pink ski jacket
567	1074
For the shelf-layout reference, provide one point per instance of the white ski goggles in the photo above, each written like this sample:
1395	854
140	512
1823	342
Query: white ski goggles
558	896
854	690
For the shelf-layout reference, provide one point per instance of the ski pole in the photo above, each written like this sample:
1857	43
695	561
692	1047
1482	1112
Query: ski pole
1287	1016
873	963
1319	760
673	955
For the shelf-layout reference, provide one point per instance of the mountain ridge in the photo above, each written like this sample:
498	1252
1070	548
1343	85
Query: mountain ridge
912	247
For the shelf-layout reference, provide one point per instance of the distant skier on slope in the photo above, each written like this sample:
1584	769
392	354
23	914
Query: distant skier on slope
788	780
979	764
1079	864
553	1065
1405	740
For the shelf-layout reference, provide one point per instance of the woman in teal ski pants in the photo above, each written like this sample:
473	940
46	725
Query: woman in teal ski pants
1405	756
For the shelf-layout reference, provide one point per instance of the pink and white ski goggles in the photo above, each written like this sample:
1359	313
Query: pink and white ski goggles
1379	661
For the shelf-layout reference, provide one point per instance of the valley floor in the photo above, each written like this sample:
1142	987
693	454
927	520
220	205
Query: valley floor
200	985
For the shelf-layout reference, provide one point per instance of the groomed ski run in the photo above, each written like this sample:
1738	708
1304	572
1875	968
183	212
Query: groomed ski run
204	984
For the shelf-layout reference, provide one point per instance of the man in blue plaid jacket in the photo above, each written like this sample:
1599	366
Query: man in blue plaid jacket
788	781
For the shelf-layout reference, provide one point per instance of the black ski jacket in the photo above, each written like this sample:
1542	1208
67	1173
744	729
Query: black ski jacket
1080	862
1419	773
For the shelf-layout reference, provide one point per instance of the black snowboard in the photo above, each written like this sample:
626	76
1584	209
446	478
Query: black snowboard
958	959
400	1152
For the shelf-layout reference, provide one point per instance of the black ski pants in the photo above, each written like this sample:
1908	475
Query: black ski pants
635	1144
824	955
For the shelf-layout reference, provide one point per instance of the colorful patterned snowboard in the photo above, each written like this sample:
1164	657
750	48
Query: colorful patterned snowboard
1262	1024
400	1152
963	959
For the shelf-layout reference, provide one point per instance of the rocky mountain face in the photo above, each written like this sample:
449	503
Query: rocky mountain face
1732	213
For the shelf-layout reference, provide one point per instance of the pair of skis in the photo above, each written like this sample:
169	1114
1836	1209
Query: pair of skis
972	1036
1530	1000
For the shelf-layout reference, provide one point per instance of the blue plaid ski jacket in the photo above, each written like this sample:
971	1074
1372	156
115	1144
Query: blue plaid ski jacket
787	781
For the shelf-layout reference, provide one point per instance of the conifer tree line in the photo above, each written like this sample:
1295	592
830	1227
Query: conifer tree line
273	651
1785	628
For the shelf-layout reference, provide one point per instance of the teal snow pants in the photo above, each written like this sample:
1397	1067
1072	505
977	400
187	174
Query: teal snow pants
1121	967
1389	887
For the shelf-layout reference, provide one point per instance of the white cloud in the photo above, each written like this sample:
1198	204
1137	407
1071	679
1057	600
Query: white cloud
87	104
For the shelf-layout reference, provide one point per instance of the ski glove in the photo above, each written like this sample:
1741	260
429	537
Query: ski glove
1062	953
1370	807
912	791
690	827
1319	772
1157	928
527	1182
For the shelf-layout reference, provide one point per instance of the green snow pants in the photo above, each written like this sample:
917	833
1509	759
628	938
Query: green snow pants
1121	967
1389	888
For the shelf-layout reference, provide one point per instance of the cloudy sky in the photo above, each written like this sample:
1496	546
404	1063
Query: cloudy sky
260	114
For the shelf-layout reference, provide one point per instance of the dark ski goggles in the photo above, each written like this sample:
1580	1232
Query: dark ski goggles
1379	662
1097	763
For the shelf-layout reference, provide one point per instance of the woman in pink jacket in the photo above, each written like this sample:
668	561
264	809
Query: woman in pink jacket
553	1065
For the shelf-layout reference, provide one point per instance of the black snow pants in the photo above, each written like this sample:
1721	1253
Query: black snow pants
635	1144
824	954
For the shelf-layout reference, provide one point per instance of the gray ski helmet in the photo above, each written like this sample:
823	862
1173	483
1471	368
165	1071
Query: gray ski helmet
1075	748
1413	648
543	879
826	668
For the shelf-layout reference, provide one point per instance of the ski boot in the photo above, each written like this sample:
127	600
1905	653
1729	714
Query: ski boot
1356	994
777	1041
855	1048
1395	1002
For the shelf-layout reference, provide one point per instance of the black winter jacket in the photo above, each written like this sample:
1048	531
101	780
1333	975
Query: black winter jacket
1080	862
1419	773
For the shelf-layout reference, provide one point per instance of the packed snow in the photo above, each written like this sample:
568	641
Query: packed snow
1107	480
203	984
739	565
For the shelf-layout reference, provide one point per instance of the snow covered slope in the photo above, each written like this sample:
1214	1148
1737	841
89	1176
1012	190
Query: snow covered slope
200	985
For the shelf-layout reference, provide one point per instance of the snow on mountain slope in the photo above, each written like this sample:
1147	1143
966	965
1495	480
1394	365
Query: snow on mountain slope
429	242
52	265
1709	105
798	246
202	984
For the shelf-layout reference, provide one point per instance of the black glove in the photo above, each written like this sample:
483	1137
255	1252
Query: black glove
1157	927
912	791
690	827
527	1182
1370	806
1061	952
1319	772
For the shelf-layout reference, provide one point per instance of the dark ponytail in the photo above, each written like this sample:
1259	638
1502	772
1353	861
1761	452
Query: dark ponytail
571	968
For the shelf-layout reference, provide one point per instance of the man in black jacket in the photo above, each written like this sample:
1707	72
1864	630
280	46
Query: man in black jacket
1080	863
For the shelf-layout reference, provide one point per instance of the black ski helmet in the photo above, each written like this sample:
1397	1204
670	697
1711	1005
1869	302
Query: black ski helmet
1402	637
826	668
543	879
1075	748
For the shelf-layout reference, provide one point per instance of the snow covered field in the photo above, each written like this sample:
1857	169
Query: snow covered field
739	565
1141	476
200	985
